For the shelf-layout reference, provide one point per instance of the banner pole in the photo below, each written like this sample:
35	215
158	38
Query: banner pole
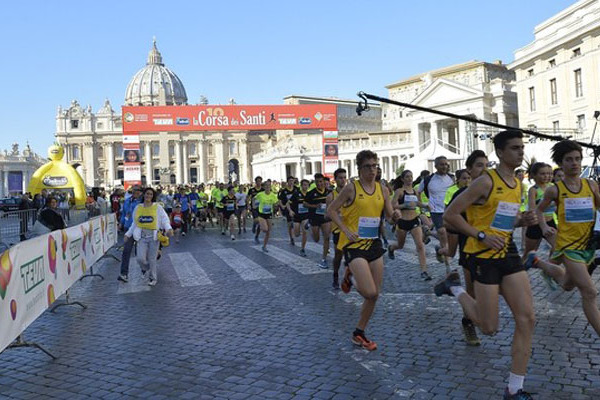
68	302
21	342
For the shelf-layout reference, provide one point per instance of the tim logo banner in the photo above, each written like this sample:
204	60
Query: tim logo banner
35	272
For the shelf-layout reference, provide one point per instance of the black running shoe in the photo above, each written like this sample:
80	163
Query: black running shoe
426	276
520	395
443	287
391	253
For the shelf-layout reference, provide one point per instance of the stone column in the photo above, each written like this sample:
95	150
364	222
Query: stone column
88	157
186	164
148	160
4	183
25	179
178	172
110	158
201	160
219	147
244	162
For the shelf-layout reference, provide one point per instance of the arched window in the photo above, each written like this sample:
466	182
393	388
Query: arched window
76	152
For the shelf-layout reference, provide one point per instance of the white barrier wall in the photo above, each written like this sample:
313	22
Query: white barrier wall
36	272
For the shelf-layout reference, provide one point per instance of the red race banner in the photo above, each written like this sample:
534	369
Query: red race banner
224	118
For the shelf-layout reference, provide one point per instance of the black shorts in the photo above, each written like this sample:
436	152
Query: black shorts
264	216
298	218
254	213
371	254
287	216
228	214
408	224
336	238
239	210
535	232
318	220
220	210
490	271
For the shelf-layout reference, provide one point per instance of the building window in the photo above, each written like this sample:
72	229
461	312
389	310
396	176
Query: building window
531	99
194	175
530	72
156	174
308	168
192	149
171	150
578	83
74	123
555	126
210	149
552	63
576	52
101	152
155	150
318	167
172	179
232	148
99	125
581	122
76	152
142	150
553	95
120	175
119	151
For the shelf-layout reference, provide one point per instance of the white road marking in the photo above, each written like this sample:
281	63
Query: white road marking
300	264
137	283
247	269
188	270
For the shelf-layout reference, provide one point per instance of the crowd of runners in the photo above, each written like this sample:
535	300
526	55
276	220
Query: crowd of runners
472	214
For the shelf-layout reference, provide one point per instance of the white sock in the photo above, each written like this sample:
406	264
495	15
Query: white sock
515	382
457	290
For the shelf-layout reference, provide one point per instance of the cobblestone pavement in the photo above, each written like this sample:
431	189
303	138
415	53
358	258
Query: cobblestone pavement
227	321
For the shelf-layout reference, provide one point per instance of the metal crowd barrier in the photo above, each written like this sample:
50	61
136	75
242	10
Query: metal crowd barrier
16	226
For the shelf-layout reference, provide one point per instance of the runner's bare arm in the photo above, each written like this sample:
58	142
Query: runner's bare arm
395	199
594	186
390	213
477	191
346	196
550	195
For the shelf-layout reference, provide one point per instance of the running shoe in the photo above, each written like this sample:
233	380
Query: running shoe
223	233
144	272
552	284
152	282
426	239
426	276
470	333
232	237
443	287
182	233
391	253
264	248
520	395
323	264
256	240
303	252
123	278
361	340
438	256
292	242
335	286
239	231
347	282
306	226
530	260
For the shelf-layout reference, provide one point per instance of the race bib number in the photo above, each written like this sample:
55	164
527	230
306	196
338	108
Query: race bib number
368	227
177	219
597	226
410	198
289	196
302	209
506	215
579	210
230	207
266	209
321	209
551	209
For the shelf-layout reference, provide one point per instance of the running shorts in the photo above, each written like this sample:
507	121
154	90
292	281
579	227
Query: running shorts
490	271
371	254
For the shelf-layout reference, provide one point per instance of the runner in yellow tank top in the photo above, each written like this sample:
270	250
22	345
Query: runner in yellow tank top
340	181
577	200
492	204
361	204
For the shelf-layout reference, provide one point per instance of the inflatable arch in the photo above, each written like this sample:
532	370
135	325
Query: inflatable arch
58	176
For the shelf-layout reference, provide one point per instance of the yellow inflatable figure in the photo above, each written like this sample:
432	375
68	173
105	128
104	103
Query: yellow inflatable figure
57	175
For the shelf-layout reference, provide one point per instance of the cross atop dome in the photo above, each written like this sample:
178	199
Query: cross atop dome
154	57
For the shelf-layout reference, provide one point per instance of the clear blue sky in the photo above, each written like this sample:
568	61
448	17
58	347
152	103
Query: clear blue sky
257	52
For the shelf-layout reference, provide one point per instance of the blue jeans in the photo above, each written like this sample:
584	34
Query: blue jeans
127	247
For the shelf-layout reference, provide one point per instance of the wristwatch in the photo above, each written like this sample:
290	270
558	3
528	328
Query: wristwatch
481	236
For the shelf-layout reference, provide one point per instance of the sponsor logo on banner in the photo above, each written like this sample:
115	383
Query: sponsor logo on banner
287	121
41	275
330	166
318	116
54	181
330	135
128	117
304	121
182	121
131	139
163	121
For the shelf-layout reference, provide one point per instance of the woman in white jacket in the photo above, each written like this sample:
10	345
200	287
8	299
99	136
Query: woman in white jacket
148	218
